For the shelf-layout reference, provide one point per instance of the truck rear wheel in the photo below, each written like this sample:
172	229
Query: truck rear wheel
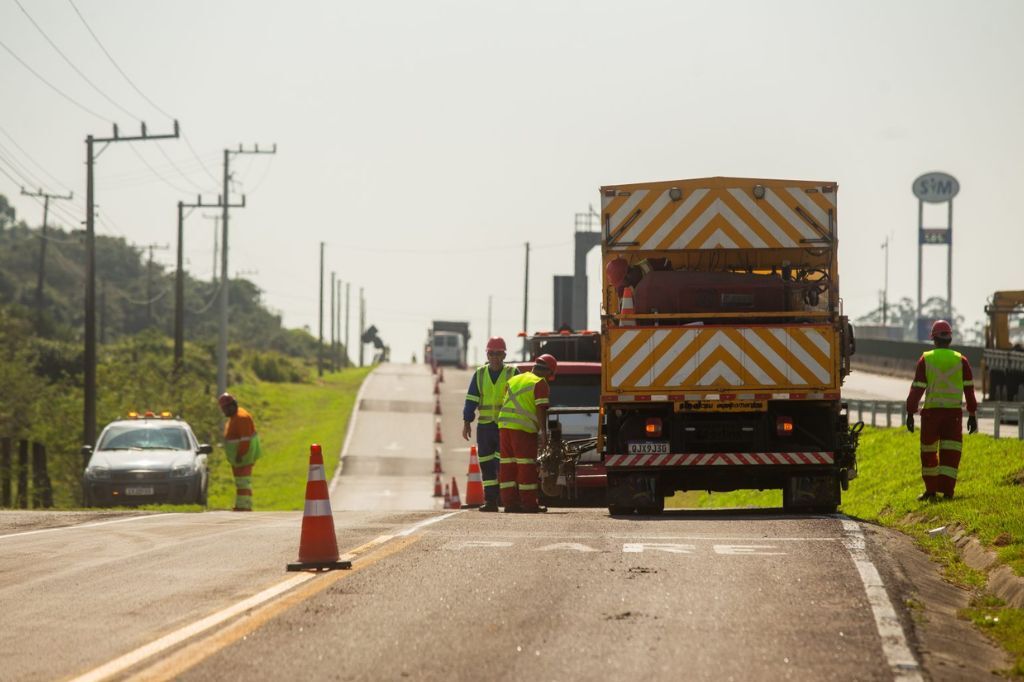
811	494
619	510
653	509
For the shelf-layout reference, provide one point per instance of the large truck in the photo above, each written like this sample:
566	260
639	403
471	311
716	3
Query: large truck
724	343
447	343
1002	362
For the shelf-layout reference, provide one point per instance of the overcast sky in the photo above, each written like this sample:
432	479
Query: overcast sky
425	142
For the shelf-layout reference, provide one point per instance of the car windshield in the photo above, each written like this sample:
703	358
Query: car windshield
576	390
132	437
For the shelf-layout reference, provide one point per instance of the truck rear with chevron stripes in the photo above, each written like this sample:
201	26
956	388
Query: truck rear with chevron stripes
724	344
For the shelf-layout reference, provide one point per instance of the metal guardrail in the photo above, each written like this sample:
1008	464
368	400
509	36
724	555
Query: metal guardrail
890	413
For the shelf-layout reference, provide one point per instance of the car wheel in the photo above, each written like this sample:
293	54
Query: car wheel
202	495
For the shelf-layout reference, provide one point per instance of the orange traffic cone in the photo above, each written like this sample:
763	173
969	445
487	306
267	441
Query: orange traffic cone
318	546
437	431
437	405
456	502
447	497
437	486
626	307
437	461
440	374
475	482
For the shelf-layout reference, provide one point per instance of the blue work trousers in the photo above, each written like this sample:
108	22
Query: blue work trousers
488	451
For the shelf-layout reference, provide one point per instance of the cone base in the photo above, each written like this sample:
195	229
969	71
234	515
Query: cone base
470	506
318	565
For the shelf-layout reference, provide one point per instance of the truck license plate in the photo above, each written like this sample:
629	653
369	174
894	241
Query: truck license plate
648	448
139	490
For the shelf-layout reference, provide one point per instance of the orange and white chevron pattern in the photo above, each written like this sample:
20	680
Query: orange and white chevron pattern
721	214
770	357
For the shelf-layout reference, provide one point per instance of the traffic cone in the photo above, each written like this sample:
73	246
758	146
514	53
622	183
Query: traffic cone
440	374
437	486
437	405
437	387
475	482
437	431
626	307
318	546
456	502
447	497
437	461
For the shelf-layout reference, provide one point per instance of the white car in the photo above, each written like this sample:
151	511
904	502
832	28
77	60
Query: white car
146	459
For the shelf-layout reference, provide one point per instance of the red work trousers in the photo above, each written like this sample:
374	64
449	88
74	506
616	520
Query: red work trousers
517	470
941	445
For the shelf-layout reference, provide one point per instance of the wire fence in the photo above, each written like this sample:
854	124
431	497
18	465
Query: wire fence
1000	419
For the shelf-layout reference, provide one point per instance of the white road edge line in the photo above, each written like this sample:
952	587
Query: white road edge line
88	525
348	434
132	658
894	642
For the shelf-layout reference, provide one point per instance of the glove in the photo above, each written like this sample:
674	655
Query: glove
910	422
972	424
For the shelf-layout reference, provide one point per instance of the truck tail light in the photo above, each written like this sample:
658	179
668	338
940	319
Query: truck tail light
652	428
784	426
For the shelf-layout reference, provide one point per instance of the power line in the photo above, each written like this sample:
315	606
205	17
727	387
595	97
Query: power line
175	166
51	85
71	63
28	156
157	173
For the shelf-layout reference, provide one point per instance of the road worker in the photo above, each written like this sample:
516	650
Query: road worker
486	391
523	428
944	377
242	446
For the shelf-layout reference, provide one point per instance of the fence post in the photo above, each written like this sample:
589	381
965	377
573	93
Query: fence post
1020	422
888	415
860	410
998	419
42	491
22	474
874	411
5	472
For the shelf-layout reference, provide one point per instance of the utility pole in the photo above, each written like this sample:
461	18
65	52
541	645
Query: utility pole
885	290
334	286
46	196
526	296
362	324
89	404
348	308
103	311
490	299
222	345
149	280
320	341
216	241
179	275
337	324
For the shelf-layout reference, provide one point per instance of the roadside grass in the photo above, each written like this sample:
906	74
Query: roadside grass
989	505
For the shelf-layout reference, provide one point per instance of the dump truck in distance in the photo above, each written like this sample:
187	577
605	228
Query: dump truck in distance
724	344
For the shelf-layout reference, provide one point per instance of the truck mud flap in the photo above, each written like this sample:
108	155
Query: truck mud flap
633	490
811	493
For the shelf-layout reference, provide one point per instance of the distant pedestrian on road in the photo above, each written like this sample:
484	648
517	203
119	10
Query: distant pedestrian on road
486	392
523	428
242	445
944	377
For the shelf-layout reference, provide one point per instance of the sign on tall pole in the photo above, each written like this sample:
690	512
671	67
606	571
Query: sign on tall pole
935	188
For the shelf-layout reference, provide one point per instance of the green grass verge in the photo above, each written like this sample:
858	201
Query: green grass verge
289	417
989	504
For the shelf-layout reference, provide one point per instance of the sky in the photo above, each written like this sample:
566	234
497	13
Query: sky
425	142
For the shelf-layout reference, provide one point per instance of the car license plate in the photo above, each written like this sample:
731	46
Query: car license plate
139	490
648	448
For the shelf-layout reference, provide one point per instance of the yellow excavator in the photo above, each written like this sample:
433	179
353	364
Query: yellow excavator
1002	364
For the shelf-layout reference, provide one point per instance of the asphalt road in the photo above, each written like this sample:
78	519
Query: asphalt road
568	595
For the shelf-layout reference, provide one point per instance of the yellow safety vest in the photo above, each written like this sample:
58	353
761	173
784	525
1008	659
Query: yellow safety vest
519	411
492	393
944	371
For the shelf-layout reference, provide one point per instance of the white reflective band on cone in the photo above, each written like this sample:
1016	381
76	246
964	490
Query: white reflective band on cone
318	508
316	472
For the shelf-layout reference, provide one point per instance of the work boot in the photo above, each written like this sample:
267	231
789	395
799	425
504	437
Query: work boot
947	496
513	509
926	496
489	507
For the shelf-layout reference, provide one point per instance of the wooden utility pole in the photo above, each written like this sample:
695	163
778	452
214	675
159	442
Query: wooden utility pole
46	196
526	296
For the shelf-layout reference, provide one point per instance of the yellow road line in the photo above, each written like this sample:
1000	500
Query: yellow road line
190	656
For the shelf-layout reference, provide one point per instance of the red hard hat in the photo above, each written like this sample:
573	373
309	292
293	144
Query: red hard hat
548	361
616	271
941	328
496	343
226	399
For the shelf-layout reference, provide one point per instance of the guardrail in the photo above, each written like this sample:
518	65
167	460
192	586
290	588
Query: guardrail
890	413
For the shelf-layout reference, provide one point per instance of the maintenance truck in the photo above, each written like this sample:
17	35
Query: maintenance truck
724	344
1002	362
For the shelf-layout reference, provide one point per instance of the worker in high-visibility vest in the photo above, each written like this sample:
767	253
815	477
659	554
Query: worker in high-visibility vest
944	377
242	446
523	430
486	391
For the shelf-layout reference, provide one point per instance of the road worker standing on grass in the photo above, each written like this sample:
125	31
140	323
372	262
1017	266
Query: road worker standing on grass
242	445
523	429
486	392
944	377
